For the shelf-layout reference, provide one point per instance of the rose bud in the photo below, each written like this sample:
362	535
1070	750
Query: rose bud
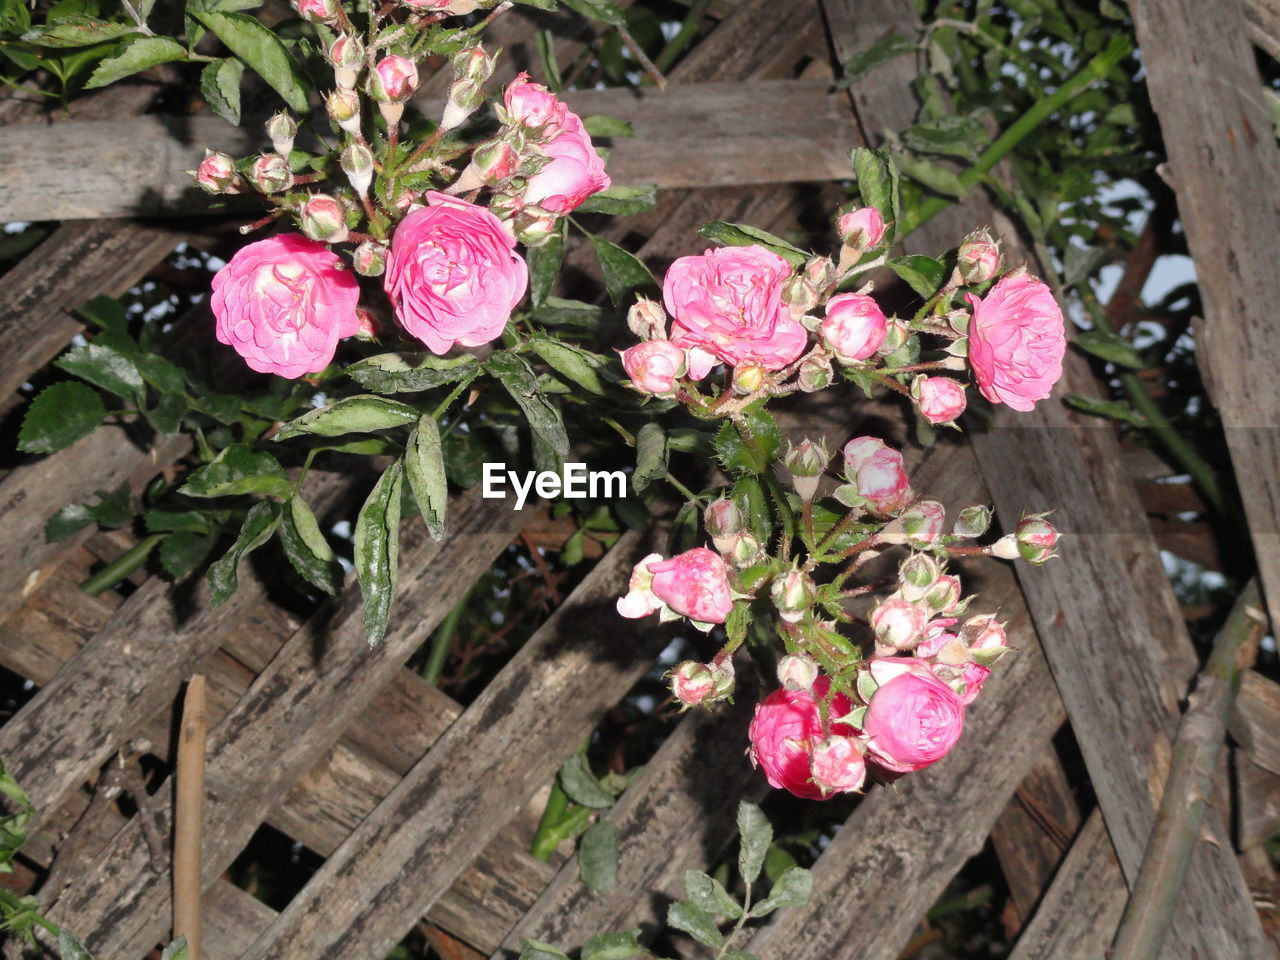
799	293
854	327
324	218
343	107
694	584
692	683
317	11
465	98
216	173
357	164
347	56
972	677
878	474
473	64
370	258
654	366
723	521
896	335
814	373
792	594
797	671
940	399
1036	538
281	129
723	674
937	641
897	623
534	226
973	521
393	79
369	326
944	595
647	320
806	461
913	719
271	174
922	523
986	638
746	551
838	765
747	378
496	161
861	229
786	726
916	575
978	257
1017	340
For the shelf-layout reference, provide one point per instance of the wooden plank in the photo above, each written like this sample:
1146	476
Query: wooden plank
782	131
1264	24
295	711
1256	725
508	742
1216	128
1257	803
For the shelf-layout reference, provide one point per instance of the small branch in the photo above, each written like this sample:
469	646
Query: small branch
189	817
122	567
642	58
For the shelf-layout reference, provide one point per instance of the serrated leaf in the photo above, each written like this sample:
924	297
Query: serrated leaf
396	373
308	551
793	889
68	520
365	413
651	456
139	53
581	785
755	834
1112	409
622	201
697	923
220	87
103	367
878	184
751	444
612	946
166	416
587	369
603	125
953	135
239	469
556	312
160	373
424	463
78	31
377	551
261	50
598	857
924	275
182	552
623	273
532	949
70	948
60	415
598	10
707	893
520	381
743	235
259	524
544	266
888	47
1110	347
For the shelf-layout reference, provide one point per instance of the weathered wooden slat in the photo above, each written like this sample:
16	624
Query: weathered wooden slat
292	715
1206	91
1264	24
1257	803
1257	720
442	814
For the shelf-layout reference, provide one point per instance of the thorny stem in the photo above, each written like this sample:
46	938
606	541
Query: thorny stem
423	147
642	58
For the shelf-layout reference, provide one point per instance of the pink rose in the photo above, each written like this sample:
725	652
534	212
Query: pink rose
532	105
854	327
973	675
978	257
575	172
393	79
862	228
784	732
284	303
653	366
913	718
321	10
882	481
452	274
941	399
694	584
838	765
1016	342
217	173
897	623
729	302
692	683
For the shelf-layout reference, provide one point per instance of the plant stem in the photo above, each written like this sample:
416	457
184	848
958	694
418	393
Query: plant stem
121	567
693	19
442	641
453	395
1190	784
13	904
544	843
684	491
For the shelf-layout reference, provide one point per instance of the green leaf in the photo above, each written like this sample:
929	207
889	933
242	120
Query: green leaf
545	43
307	549
396	373
181	553
261	50
159	373
59	416
177	950
68	520
936	178
239	469
70	948
587	369
612	946
532	949
886	48
581	785
424	463
755	833
622	201
520	381
751	444
651	456
220	87
166	416
603	125
743	235
1112	409
623	273
598	857
924	275
697	923
377	551
78	31
953	135
792	890
259	524
598	10
569	313
1108	346
878	184
707	893
544	266
139	53
106	368
365	413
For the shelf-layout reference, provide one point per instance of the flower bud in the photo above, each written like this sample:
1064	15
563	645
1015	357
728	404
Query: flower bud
317	11
723	521
1036	538
814	374
692	683
807	461
944	595
799	293
344	109
473	64
862	228
647	320
1006	548
747	378
922	523
216	173
271	174
725	678
917	574
896	334
370	258
393	79
940	399
369	326
973	521
324	218
797	672
897	623
838	765
282	128
978	257
854	327
792	594
986	639
465	98
496	161
746	551
535	226
347	56
654	366
406	199
357	163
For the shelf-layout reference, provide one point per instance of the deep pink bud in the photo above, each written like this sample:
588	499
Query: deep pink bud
838	765
786	728
393	79
217	173
854	327
862	228
317	11
654	366
694	584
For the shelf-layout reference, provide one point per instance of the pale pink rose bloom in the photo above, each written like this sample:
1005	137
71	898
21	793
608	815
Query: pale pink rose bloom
1016	342
941	399
882	481
862	228
533	105
700	362
913	718
394	78
452	274
854	327
694	584
858	450
654	366
575	172
639	600
729	302
784	731
974	676
898	623
839	765
284	303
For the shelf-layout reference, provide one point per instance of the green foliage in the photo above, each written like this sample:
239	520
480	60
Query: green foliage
424	465
261	50
136	54
60	415
624	274
598	857
515	374
239	469
621	201
396	373
377	549
744	235
259	524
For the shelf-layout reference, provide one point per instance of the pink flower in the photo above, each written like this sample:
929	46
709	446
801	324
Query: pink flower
858	450
973	675
532	105
1016	342
913	718
986	638
216	173
978	257
639	600
653	366
882	481
862	228
694	584
321	10
452	274
575	172
284	303
922	523
784	732
393	79
941	399
729	302
1036	538
898	623
692	683
838	765
854	327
